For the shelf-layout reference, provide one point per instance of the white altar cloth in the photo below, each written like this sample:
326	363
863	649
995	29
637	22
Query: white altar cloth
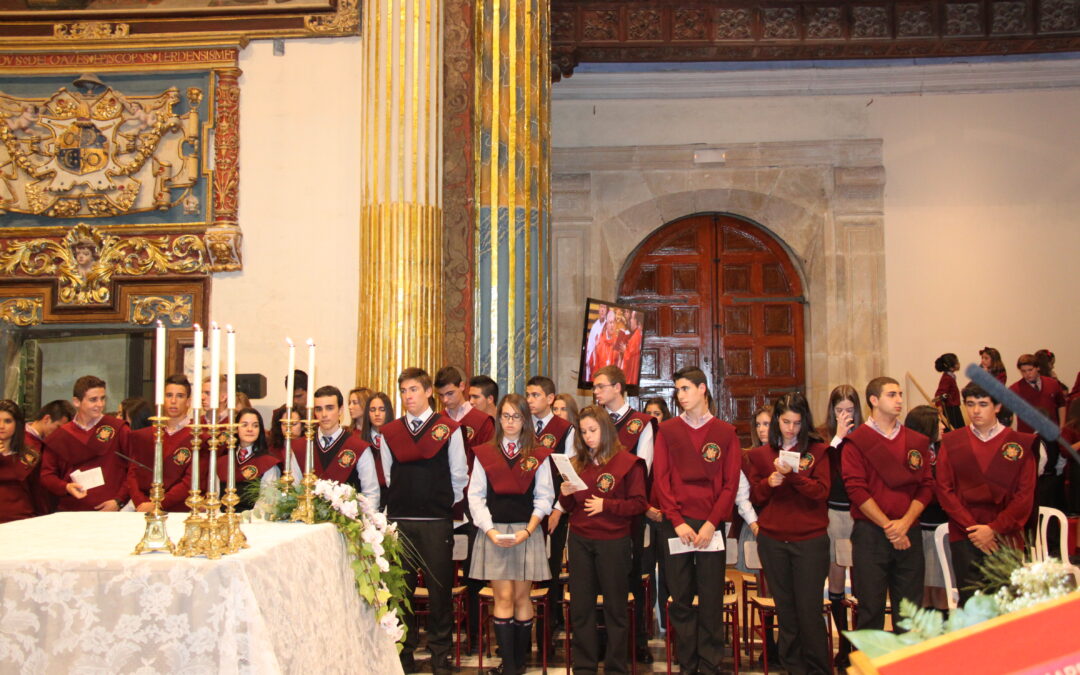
74	600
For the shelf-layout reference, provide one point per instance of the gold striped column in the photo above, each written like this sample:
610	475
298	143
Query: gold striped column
400	322
513	192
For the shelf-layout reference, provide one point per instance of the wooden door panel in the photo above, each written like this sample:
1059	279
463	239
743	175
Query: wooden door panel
720	293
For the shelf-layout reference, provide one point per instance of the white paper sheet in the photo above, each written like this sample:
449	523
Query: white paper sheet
676	545
506	537
88	479
791	458
566	470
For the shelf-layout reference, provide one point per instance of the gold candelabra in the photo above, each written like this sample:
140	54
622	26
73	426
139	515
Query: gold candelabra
191	543
234	538
213	542
305	502
155	536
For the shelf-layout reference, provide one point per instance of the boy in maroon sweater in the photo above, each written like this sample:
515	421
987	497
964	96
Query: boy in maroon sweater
886	469
696	473
985	483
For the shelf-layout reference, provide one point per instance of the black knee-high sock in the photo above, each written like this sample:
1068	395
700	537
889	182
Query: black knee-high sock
522	643
839	614
504	635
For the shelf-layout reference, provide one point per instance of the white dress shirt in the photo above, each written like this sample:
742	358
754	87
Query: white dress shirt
459	464
543	494
645	438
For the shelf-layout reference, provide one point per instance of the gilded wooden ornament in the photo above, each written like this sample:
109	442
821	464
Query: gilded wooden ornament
86	261
96	152
174	310
345	21
91	30
21	311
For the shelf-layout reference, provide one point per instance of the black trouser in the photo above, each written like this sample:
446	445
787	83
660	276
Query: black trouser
637	586
555	559
653	562
795	572
964	557
699	631
599	567
433	542
877	567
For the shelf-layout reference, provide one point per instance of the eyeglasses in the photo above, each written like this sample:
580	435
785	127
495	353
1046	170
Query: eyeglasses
511	418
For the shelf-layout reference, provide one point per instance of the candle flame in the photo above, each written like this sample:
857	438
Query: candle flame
229	328
288	341
310	342
159	324
213	325
197	327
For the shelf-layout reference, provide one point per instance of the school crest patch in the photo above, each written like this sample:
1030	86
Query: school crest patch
347	458
605	482
548	440
529	464
635	426
249	472
440	432
914	460
182	456
29	457
806	461
1012	451
710	453
469	431
105	433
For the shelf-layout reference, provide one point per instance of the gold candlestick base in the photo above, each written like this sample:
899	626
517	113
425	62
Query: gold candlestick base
234	538
305	502
155	536
212	542
285	483
189	545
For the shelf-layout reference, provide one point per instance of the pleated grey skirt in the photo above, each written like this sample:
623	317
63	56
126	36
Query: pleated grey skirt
525	562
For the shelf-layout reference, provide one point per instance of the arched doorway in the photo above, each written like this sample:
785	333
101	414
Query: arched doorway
720	292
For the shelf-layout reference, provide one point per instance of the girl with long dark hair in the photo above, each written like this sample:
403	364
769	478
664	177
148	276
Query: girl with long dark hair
19	466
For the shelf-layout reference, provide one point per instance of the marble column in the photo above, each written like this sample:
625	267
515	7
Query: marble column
513	192
400	311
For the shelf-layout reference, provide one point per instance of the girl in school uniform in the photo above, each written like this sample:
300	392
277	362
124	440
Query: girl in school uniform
254	461
19	467
510	492
380	410
793	542
599	545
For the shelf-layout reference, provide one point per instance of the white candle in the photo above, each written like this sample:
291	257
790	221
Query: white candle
159	371
196	384
289	381
230	366
215	365
311	375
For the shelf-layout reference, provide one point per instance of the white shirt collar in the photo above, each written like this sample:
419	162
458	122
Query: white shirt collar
184	421
92	424
457	413
621	412
543	420
423	417
890	436
994	431
333	436
702	422
791	444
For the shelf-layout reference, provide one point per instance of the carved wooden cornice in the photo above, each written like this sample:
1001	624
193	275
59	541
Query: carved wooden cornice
756	30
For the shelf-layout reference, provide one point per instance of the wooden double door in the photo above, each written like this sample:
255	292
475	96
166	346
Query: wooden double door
721	293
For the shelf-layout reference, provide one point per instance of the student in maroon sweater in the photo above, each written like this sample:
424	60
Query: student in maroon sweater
947	396
887	472
599	541
175	454
1043	393
990	361
86	443
697	464
985	483
793	540
19	464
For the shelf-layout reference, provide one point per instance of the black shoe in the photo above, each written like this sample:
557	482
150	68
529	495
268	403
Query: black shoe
443	666
643	655
408	664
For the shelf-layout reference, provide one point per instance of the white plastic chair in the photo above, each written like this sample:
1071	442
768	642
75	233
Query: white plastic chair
1046	514
941	535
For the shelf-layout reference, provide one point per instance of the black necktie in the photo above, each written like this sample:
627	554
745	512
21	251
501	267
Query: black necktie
614	417
326	441
415	424
539	426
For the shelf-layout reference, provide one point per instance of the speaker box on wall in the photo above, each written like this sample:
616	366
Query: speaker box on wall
252	384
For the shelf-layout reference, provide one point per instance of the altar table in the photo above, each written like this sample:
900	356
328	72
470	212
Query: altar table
74	600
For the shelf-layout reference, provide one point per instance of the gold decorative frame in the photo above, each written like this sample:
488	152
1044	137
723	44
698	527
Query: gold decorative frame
179	23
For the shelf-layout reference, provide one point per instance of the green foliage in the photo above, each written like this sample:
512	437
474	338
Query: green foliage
922	624
996	569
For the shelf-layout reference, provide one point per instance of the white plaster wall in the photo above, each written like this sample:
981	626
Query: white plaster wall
978	187
299	211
